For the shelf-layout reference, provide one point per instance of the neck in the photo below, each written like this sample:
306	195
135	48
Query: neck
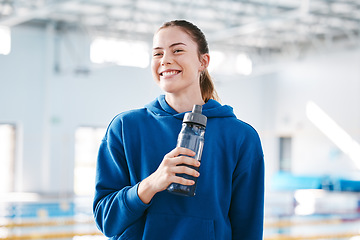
183	103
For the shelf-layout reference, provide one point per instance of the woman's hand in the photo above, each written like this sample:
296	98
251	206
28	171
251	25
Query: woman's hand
166	173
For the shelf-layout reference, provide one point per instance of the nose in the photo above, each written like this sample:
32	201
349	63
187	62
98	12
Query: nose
166	60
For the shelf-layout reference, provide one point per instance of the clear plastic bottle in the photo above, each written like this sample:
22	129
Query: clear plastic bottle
191	136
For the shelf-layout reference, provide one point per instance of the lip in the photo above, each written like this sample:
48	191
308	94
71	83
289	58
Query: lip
169	72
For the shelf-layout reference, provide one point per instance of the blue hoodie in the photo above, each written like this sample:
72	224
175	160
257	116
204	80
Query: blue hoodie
229	200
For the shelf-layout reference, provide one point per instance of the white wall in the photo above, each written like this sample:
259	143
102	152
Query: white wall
21	95
332	81
275	104
47	106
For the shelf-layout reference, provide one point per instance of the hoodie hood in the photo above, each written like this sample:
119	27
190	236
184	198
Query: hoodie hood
211	109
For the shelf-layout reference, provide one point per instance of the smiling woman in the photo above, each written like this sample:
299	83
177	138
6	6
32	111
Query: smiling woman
138	158
176	65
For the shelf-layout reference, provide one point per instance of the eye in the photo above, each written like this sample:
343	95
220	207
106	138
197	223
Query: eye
156	54
178	50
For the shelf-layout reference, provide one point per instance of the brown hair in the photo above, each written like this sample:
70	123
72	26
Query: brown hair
206	84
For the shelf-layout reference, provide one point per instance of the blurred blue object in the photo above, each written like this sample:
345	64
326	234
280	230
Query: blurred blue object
288	182
285	181
349	185
31	210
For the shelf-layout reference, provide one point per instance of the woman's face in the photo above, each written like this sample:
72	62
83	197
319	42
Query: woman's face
175	65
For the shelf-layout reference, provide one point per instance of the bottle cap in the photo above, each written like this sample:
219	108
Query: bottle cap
196	116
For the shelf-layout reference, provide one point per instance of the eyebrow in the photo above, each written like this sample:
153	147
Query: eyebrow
172	45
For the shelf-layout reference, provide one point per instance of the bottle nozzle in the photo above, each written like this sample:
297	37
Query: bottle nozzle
197	109
196	116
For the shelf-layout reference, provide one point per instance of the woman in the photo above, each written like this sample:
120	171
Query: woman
138	159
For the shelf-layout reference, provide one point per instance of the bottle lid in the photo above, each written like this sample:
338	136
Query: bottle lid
196	116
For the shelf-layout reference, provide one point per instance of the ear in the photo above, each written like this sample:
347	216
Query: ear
204	60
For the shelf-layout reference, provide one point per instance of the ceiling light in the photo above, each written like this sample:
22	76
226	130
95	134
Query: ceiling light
216	59
243	64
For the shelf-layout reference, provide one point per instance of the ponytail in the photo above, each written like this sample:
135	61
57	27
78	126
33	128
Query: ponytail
207	87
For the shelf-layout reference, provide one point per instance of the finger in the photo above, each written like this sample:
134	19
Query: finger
185	151
183	181
186	170
186	160
180	151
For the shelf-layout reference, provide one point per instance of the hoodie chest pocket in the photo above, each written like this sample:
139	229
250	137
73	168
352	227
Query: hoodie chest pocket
173	227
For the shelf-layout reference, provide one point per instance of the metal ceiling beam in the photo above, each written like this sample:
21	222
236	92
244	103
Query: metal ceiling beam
29	14
253	25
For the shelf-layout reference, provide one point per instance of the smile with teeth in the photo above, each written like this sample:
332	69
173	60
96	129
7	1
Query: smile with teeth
169	73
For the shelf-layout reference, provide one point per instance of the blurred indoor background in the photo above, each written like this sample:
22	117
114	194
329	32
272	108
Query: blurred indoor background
290	68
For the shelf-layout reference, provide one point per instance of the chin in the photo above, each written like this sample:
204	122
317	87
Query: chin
168	90
167	87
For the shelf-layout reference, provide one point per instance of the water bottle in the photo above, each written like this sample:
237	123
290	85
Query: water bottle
191	136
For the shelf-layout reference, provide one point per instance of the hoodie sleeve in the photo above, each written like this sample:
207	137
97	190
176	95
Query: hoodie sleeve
247	203
116	203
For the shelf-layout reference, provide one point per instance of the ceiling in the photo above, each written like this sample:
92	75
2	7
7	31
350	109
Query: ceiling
262	28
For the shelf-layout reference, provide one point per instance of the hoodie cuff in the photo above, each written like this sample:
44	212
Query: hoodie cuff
134	202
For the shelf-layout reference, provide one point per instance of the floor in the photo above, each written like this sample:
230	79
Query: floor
302	214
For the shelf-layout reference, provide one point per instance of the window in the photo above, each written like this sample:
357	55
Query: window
7	156
120	52
87	142
285	154
5	40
